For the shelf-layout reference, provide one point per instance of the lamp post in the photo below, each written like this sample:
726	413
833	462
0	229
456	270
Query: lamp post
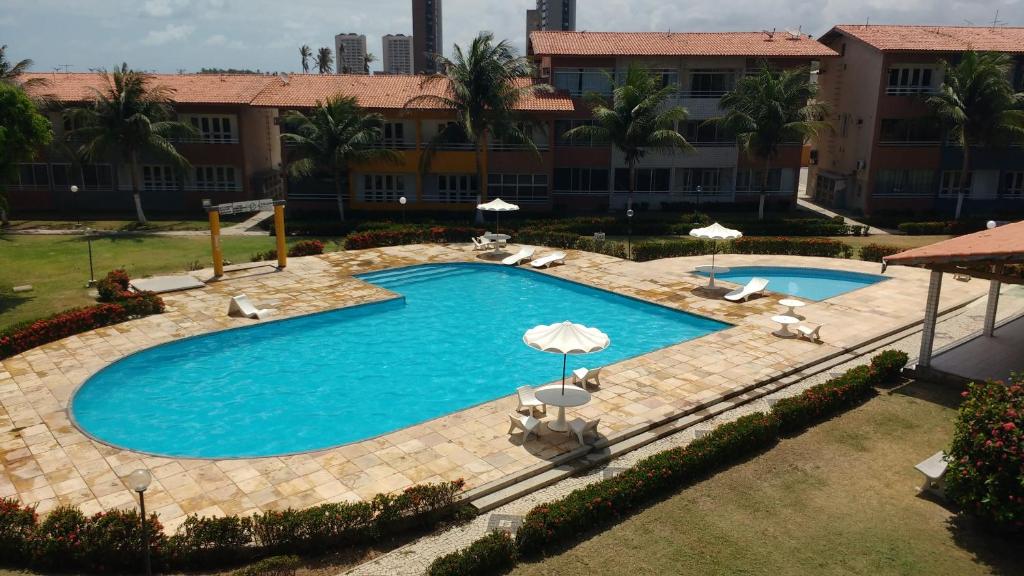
629	234
699	191
88	236
139	480
403	201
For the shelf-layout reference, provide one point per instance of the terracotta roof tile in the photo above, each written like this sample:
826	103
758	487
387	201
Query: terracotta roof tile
898	38
188	88
1003	243
676	44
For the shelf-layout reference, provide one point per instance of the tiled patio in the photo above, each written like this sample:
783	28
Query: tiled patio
45	460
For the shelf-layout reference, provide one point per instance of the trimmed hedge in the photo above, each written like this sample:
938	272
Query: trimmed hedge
792	247
945	227
306	248
110	542
875	252
410	235
551	525
491	554
888	366
273	566
654	249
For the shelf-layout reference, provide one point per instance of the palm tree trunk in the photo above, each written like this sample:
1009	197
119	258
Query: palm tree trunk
964	171
136	195
632	185
764	188
338	192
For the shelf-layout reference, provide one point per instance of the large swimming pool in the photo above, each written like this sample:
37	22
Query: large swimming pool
808	283
312	382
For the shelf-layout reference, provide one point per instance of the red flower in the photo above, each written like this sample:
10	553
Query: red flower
1009	426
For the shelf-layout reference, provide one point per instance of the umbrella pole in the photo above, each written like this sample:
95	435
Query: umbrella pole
564	357
714	251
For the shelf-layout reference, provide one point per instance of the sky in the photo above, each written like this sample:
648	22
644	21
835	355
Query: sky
186	35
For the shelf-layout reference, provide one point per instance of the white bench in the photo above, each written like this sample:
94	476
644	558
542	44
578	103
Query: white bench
933	469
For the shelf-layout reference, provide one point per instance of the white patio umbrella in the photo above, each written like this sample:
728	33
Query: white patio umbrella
566	338
498	206
715	232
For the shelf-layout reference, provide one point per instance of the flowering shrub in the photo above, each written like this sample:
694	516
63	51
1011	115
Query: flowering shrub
819	402
112	541
113	286
875	252
888	365
202	541
263	256
409	235
17	524
491	554
307	248
986	460
57	542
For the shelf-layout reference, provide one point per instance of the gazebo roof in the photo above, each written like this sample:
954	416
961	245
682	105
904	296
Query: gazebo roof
1000	245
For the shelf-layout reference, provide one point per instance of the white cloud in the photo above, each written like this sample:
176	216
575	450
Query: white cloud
169	33
163	8
217	40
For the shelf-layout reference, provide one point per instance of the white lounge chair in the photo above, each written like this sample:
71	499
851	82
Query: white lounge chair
528	425
755	286
528	400
545	261
481	243
934	471
525	253
811	334
584	376
581	428
241	306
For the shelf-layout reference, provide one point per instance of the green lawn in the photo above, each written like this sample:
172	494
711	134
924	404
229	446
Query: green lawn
58	266
122	225
838	499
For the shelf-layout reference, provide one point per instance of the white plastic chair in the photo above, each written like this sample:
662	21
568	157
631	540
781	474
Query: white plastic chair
527	424
525	253
811	334
528	399
241	306
755	286
545	261
585	376
481	243
581	428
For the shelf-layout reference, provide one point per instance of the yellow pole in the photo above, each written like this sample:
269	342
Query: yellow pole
282	250
218	256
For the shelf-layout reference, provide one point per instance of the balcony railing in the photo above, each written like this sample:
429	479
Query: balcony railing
207	140
451	197
217	187
909	90
909	143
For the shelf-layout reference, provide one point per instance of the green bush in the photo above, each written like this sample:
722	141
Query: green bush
306	248
887	366
985	476
824	400
491	554
409	235
875	252
946	227
792	247
112	542
203	541
17	526
57	542
656	249
273	566
113	286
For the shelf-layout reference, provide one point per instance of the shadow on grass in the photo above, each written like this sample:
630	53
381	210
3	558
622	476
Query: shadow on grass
943	394
1001	553
9	301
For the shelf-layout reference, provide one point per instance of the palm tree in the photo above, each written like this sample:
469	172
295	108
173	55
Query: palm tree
130	119
10	73
978	106
324	60
306	53
769	109
482	88
369	59
336	134
635	120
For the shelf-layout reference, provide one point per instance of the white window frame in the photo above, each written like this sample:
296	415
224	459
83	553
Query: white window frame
713	180
753	178
34	186
949	184
456	189
383	188
910	79
1013	185
598	81
215	178
159	178
519	187
211	128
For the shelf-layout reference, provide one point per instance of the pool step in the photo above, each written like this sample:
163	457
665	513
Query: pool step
406	276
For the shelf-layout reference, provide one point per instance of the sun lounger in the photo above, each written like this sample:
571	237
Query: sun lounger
584	376
545	261
933	469
806	332
528	400
481	243
527	424
581	428
755	286
241	306
525	253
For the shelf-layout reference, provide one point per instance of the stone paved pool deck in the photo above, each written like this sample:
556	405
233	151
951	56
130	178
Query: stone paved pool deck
45	460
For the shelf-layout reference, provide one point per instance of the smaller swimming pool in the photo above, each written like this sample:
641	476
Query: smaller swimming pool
808	283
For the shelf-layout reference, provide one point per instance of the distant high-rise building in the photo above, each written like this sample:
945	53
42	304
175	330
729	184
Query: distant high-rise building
551	15
532	24
426	34
397	53
350	53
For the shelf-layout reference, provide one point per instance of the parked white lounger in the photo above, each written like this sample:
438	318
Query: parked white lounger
525	253
481	243
241	306
755	286
528	424
812	334
528	399
581	428
582	377
545	261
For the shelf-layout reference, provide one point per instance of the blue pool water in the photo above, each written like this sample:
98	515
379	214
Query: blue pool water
317	381
808	283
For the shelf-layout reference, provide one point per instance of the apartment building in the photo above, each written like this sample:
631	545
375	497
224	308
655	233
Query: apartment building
704	66
350	53
397	53
888	153
427	35
238	155
557	15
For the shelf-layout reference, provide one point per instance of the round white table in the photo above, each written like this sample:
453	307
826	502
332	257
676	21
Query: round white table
497	240
792	304
785	322
711	271
552	396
